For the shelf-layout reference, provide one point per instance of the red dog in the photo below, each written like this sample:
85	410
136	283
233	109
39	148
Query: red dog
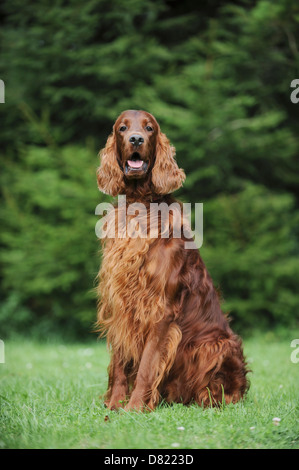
158	307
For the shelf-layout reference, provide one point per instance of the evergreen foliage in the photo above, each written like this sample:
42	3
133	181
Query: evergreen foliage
217	77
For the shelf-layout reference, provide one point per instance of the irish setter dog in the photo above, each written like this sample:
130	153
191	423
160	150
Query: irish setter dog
158	307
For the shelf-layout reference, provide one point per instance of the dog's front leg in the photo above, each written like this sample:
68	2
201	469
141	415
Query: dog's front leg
157	358
117	385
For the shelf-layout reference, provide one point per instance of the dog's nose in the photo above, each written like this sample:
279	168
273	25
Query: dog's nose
136	140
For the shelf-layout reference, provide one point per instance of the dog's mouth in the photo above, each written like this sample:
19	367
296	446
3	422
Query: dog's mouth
135	167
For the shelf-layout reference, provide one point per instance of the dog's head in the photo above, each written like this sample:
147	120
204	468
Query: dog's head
138	150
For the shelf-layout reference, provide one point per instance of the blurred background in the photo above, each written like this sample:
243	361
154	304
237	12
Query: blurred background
216	74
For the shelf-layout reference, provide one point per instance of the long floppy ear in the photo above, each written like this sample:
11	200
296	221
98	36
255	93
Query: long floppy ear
109	175
166	175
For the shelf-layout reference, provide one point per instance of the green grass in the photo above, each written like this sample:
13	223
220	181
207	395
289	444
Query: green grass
50	399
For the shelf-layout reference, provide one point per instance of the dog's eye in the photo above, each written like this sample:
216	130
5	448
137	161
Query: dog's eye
149	128
122	128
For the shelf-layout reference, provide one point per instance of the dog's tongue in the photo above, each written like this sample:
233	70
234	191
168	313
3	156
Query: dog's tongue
135	163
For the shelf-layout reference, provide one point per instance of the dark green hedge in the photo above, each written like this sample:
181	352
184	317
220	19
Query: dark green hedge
217	77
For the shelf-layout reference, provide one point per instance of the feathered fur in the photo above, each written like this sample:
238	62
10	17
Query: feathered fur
157	304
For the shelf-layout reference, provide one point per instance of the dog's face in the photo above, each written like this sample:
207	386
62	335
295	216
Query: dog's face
136	138
138	153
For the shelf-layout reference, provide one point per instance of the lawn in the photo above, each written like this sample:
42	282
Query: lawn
50	398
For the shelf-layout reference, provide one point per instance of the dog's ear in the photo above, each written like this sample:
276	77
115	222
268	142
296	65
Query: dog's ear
109	175
166	175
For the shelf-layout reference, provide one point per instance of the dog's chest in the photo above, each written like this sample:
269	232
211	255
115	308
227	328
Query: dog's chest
134	300
131	285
